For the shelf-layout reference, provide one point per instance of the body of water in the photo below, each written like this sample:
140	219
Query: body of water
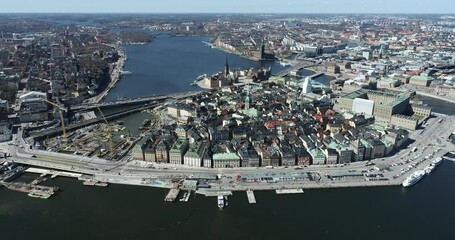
424	211
438	105
170	64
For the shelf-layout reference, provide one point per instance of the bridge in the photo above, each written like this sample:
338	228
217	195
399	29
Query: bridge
58	131
298	66
138	105
133	101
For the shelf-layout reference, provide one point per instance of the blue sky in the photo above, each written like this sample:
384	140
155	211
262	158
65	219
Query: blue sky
231	6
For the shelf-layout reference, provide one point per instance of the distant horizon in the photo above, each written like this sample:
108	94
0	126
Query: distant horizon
235	13
231	7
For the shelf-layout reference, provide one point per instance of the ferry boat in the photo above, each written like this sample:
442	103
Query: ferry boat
414	178
93	182
41	195
437	161
221	202
101	184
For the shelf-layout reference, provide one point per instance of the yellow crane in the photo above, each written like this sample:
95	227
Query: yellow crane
61	109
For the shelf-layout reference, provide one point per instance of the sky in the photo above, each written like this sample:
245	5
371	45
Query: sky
228	6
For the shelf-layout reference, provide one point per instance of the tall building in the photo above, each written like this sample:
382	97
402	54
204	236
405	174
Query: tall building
247	99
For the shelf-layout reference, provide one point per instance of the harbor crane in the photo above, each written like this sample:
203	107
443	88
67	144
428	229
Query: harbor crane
62	120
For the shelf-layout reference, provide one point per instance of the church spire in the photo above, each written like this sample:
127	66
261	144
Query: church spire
247	98
226	67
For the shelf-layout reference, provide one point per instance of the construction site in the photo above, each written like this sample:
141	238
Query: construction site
109	141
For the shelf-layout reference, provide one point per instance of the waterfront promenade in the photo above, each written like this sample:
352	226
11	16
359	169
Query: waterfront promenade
430	141
115	75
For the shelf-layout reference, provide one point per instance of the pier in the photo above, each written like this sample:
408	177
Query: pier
250	195
53	173
209	193
172	195
289	191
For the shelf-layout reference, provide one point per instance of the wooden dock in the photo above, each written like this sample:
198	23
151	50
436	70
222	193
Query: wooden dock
250	195
172	195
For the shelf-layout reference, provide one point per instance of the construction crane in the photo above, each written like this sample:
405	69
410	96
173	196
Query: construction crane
61	109
108	129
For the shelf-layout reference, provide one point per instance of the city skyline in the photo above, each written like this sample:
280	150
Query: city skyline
253	6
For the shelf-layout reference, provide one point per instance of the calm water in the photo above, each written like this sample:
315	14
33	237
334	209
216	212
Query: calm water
170	64
425	211
439	105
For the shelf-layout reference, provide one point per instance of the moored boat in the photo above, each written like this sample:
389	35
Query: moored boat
437	161
414	178
41	195
221	202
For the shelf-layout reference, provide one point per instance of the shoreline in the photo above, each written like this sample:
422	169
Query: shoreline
234	53
151	175
115	76
435	96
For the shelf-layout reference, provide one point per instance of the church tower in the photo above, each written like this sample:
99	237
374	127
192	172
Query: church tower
226	68
247	98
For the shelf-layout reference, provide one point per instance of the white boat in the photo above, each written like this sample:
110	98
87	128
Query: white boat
429	169
414	178
221	202
437	161
125	73
184	197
